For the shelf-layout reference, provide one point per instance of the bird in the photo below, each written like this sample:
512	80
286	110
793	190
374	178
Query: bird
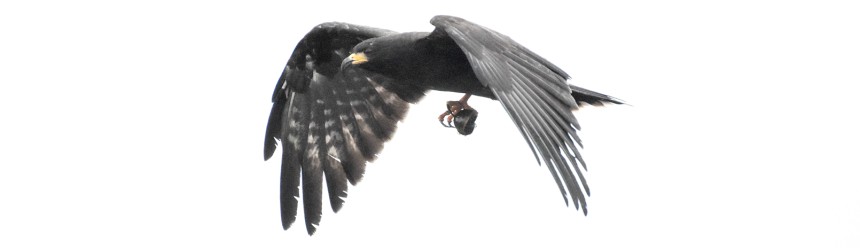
345	87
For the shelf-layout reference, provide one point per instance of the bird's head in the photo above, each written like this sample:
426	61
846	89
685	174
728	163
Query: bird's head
388	54
361	55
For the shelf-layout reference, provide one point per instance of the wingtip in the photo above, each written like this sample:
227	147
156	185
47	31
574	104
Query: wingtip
335	207
269	150
311	229
267	155
286	224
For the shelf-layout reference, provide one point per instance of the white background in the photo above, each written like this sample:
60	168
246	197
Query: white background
141	125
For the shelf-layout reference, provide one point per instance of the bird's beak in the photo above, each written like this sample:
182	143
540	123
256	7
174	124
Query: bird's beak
353	59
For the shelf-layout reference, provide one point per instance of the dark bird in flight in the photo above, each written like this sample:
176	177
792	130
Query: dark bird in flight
346	86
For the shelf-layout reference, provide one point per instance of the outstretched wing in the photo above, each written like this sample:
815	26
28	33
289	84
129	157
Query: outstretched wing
330	122
535	94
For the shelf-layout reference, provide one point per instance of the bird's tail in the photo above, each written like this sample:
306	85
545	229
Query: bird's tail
582	95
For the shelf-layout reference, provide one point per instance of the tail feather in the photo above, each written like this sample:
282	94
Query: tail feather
582	95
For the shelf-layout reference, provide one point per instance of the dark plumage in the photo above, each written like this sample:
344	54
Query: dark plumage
345	87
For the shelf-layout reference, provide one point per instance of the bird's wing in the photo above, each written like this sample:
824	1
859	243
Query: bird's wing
330	123
535	94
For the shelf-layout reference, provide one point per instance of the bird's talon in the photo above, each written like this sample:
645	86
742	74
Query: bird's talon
459	115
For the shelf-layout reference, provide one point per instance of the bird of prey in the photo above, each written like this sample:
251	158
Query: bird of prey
345	87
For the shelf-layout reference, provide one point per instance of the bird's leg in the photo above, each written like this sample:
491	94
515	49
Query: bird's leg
453	108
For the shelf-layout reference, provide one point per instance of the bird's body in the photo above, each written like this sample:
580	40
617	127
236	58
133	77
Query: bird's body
345	87
427	62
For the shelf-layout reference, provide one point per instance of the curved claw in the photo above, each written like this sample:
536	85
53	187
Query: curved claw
448	114
444	125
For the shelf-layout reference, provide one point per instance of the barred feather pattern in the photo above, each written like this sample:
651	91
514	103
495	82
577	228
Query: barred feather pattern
329	122
333	130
